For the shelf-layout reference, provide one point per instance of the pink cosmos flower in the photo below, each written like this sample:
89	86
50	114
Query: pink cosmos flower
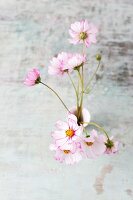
83	32
33	77
112	146
77	60
59	65
70	154
67	132
93	146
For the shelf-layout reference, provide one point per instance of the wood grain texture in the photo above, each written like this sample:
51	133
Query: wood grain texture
31	32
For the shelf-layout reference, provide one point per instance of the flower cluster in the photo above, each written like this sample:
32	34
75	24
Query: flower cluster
72	141
66	62
71	144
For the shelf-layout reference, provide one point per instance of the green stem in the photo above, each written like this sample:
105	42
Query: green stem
55	94
82	85
97	126
82	91
86	132
88	84
76	92
81	99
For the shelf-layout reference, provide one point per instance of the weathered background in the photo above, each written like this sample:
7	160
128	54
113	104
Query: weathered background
31	31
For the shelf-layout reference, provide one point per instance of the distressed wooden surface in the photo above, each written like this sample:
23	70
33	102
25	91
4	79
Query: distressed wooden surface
31	32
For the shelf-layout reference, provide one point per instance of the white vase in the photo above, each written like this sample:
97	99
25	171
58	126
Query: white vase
85	115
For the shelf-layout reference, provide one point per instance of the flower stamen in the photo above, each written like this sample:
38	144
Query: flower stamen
83	35
70	133
66	151
89	143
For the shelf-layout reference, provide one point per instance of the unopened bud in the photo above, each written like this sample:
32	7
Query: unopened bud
98	57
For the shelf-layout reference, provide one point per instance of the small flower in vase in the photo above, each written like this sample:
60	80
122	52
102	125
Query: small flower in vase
112	146
71	140
33	77
83	32
59	65
93	145
76	61
67	132
69	153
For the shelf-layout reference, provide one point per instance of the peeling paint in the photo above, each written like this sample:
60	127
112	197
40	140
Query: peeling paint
129	192
99	182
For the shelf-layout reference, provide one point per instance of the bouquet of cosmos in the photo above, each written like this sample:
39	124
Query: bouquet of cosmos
72	140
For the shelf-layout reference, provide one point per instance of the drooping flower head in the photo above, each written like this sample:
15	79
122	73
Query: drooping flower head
70	153
77	60
67	132
93	146
112	146
33	77
59	65
83	32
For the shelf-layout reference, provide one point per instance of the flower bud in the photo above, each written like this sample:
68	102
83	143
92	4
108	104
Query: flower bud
98	57
33	77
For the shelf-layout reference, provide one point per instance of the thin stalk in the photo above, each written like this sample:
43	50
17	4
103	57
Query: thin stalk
86	132
88	84
82	88
97	126
81	101
55	94
80	78
78	88
76	92
82	85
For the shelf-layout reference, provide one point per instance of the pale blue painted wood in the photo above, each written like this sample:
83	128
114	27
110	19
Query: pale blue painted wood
30	33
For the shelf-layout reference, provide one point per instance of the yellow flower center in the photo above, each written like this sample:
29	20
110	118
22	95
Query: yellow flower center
70	133
89	143
66	151
83	35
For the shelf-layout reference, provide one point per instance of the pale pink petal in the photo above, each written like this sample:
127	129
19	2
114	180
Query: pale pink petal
59	155
32	76
98	148
37	72
87	42
77	27
67	146
79	131
69	159
77	157
59	64
62	125
29	82
59	134
94	133
73	34
72	124
61	142
73	41
73	117
90	153
86	26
